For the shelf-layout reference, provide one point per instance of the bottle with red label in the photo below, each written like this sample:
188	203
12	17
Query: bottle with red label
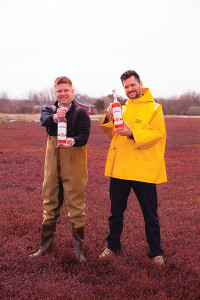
62	132
117	113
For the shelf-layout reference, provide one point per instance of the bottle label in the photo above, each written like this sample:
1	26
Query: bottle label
119	122
117	115
62	128
117	109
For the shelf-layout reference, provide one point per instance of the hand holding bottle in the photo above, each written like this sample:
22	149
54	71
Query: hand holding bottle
69	143
110	111
126	131
61	111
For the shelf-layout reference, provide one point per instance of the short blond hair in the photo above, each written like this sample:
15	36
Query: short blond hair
62	79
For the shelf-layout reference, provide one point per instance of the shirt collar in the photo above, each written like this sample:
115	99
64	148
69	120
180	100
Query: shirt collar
68	108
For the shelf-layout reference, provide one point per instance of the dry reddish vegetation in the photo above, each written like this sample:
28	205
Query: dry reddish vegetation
129	275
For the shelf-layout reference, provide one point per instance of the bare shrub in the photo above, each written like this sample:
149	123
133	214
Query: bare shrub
193	111
181	105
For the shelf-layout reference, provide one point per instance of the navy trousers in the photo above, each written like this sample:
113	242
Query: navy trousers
147	197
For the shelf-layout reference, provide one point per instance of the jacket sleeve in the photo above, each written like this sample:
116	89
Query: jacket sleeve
83	125
153	133
108	127
46	118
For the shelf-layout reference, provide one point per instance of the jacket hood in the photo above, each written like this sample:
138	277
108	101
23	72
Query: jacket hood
146	97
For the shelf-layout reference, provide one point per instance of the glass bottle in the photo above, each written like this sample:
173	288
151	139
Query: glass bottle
117	113
61	132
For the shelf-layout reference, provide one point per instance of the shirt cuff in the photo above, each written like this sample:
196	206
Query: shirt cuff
73	142
54	119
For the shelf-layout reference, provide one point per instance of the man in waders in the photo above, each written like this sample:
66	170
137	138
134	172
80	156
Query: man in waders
65	172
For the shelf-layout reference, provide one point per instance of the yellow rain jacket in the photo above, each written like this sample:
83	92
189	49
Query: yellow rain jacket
141	158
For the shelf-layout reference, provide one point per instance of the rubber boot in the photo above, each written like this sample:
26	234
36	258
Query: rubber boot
47	235
78	236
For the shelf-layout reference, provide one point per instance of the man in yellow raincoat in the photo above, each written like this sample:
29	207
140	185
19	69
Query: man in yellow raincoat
136	160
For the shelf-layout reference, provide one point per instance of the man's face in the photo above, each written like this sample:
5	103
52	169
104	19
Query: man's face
64	93
132	88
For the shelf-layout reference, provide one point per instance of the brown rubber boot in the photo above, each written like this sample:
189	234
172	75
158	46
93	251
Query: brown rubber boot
47	235
78	236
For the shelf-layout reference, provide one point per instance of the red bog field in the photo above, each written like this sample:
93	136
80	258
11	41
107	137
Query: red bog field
129	274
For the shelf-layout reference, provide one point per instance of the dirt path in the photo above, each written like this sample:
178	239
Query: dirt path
9	118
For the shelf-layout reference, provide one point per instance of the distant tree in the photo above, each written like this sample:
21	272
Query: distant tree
110	96
34	97
45	96
193	111
99	105
121	100
186	104
3	105
4	95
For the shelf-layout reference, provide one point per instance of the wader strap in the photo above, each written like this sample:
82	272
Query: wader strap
58	165
60	194
75	117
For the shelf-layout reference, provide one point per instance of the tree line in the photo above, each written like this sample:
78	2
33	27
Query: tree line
186	104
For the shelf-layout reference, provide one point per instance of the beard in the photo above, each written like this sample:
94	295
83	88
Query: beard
136	94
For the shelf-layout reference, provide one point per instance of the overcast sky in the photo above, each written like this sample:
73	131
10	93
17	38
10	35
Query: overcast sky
94	41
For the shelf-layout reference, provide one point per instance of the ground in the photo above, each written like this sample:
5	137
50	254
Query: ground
130	274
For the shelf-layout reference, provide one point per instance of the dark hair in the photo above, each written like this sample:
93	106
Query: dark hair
128	74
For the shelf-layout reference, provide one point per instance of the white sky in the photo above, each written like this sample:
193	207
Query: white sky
94	41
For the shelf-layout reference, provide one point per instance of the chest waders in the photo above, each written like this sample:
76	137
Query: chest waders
48	231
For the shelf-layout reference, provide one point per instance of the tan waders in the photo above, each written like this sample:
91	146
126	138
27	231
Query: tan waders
65	178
